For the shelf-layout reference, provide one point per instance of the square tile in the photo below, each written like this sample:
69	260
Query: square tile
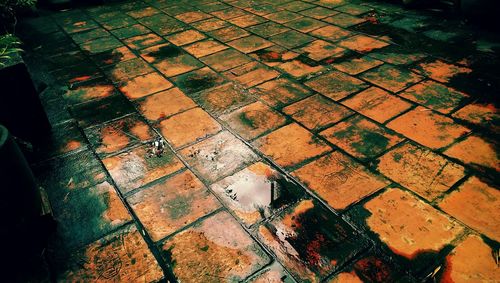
218	156
229	33
250	44
102	110
185	37
87	91
100	45
204	48
336	85
210	24
170	60
441	71
318	12
192	16
299	69
420	170
305	24
188	127
114	56
143	41
362	43
339	180
247	20
291	39
251	74
283	16
358	65
344	20
281	92
130	31
316	112
172	204
291	145
126	70
230	13
223	99
428	128
360	137
331	33
225	60
164	104
206	251
253	120
476	151
136	168
320	49
391	78
144	85
198	80
268	29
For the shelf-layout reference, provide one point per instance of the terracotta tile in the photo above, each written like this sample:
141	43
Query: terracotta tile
261	9
207	253
100	111
88	91
163	24
360	137
485	115
391	78
247	20
420	170
229	33
430	129
198	80
305	24
396	55
318	12
79	26
299	69
460	268
357	65
135	168
120	256
296	6
475	203
165	104
144	12
101	44
339	180
441	71
291	145
230	13
316	112
476	151
223	99
170	60
130	31
193	16
257	74
331	33
377	104
407	225
118	135
291	39
185	37
123	71
82	37
253	120
319	50
362	43
346	277
434	96
172	204
143	41
204	48
344	20
188	127
282	16
256	192
354	9
62	139
250	44
301	237
218	156
225	60
268	29
144	85
114	56
210	24
274	273
276	55
280	92
336	85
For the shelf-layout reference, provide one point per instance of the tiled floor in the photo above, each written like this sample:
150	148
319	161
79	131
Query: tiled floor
315	140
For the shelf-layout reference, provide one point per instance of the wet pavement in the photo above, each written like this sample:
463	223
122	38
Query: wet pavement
306	141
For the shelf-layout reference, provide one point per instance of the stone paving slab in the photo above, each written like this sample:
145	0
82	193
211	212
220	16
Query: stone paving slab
305	141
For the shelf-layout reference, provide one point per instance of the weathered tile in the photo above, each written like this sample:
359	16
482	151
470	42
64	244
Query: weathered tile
144	85
357	65
273	273
118	134
299	69
305	24
172	204
331	33
336	85
252	74
391	78
207	253
291	145
143	12
210	24
420	170
282	16
135	168
120	256
230	13
87	91
320	49
409	226
253	120
476	151
101	44
362	43
229	33
353	9
291	39
62	139
225	60
250	44
204	48
82	37
344	20
339	180
247	20
318	12
441	71
143	41
486	115
310	241
218	156
187	127
397	55
256	192
102	110
275	55
281	92
377	104
360	137
198	80
296	6
123	71
268	29
130	31
434	96
163	24
170	60
185	37
222	99
430	129
192	16
114	56
471	261
316	112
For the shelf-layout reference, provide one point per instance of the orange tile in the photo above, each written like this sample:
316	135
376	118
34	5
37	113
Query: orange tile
281	92
320	49
420	170
331	33
165	104
427	128
250	44
441	71
299	69
204	48
225	60
362	43
291	145
476	151
144	85
336	85
246	20
191	17
357	65
222	99
339	180
188	127
485	115
391	78
185	37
